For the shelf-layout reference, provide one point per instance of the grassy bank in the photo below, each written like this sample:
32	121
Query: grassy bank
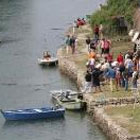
80	58
114	8
126	116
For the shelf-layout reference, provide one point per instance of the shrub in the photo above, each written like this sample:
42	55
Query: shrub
114	8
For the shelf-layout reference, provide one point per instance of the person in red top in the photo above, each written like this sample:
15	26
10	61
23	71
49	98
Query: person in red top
109	58
120	58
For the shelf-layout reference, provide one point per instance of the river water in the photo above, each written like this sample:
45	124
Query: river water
27	28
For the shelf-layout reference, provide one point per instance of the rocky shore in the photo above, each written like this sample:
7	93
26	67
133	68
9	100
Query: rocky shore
69	68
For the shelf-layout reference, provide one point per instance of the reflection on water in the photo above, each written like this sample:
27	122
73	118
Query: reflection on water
41	122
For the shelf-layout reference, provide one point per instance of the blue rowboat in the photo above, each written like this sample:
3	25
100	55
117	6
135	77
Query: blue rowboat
33	113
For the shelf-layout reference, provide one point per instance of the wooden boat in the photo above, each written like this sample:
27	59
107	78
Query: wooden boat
33	113
69	102
48	62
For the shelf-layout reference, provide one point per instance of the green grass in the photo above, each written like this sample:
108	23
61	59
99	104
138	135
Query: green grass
80	61
80	57
126	116
121	46
112	9
121	93
84	29
118	94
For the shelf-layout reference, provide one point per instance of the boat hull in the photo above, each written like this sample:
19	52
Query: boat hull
45	62
77	105
72	106
33	115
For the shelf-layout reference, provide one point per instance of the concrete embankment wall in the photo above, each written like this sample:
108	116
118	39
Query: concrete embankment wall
69	68
110	128
113	131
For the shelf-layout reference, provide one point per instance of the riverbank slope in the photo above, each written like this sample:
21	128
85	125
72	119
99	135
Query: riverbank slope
74	65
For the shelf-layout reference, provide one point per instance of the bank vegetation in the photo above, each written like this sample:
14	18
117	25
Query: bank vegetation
112	10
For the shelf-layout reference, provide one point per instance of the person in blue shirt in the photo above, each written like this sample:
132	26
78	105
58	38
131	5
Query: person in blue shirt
111	74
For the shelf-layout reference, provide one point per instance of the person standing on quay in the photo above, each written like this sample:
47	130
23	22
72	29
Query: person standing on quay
96	78
111	74
101	31
67	43
96	32
135	77
87	87
72	44
88	41
120	58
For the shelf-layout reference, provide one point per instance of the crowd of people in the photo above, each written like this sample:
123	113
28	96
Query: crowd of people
119	73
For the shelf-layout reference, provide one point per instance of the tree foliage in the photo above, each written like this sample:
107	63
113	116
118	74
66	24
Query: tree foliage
114	8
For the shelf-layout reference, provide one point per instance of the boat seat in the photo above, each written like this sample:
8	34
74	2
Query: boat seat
38	110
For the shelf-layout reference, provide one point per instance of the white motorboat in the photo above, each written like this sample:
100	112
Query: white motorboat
48	62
